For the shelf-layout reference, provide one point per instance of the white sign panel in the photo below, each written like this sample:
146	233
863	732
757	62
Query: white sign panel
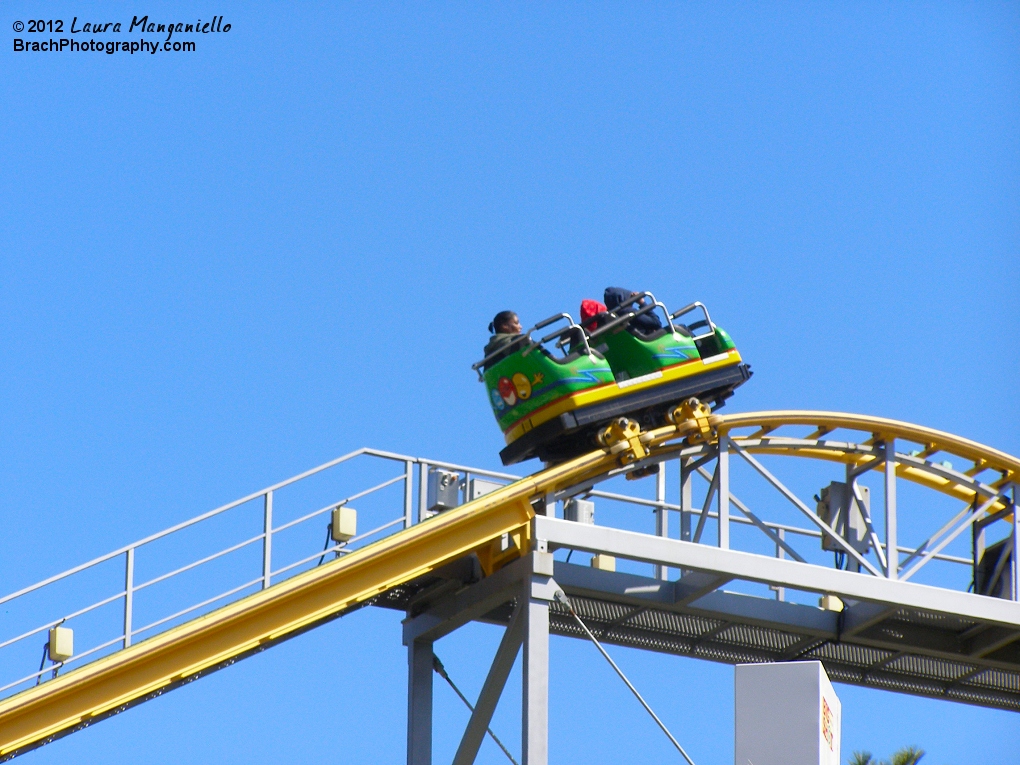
786	714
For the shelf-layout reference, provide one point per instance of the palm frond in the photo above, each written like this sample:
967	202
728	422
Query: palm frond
908	755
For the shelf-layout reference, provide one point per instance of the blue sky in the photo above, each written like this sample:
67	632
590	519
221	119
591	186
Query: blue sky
223	267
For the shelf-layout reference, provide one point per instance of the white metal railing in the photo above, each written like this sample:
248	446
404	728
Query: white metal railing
271	568
395	500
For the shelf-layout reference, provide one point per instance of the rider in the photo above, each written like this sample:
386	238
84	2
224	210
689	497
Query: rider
646	322
506	336
591	314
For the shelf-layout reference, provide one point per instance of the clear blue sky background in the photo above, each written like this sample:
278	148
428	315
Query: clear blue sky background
223	267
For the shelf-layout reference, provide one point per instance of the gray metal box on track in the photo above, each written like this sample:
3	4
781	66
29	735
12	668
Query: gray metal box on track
443	490
479	487
579	510
838	507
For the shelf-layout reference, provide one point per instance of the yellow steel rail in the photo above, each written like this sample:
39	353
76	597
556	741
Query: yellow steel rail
932	441
164	661
145	669
880	428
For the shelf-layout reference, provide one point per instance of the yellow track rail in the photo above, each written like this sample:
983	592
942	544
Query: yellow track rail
984	458
105	686
143	670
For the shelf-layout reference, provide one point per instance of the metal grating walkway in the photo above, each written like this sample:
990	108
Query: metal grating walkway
697	634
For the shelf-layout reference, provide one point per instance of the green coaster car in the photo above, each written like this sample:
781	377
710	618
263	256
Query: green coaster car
550	402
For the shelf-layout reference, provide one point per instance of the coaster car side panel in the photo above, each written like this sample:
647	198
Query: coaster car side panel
566	433
524	383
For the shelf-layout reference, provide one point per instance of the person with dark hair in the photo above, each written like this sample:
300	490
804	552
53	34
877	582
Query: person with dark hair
506	336
505	322
646	323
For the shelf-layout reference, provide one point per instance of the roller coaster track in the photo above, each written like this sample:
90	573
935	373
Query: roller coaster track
892	632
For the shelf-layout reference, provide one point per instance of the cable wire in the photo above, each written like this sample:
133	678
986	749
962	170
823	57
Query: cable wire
325	547
45	650
329	538
562	598
437	665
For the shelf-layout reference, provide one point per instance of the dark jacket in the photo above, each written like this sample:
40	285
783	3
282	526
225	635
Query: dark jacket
646	323
507	342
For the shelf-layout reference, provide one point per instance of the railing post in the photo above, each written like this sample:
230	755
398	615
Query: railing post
780	553
661	516
423	487
1016	545
724	492
129	593
851	505
892	554
408	494
267	540
686	499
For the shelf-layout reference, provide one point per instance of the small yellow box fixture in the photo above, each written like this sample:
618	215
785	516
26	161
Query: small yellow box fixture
830	603
344	526
603	562
61	645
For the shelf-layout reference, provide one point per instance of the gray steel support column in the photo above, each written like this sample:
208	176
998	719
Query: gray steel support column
661	516
506	655
419	702
535	677
892	555
724	492
686	498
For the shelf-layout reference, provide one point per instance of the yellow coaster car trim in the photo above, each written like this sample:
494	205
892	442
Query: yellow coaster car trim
596	395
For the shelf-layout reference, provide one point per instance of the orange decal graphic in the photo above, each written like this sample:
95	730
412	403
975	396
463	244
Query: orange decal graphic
523	386
827	733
